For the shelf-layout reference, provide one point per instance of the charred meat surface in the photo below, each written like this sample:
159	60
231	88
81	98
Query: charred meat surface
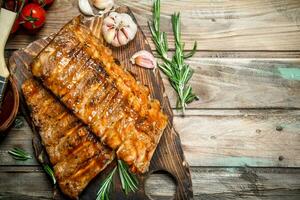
75	153
81	71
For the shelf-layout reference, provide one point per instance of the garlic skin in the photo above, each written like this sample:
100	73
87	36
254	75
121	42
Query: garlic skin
118	29
144	59
103	4
85	7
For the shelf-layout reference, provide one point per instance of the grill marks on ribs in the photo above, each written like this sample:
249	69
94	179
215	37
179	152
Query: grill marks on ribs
77	156
81	71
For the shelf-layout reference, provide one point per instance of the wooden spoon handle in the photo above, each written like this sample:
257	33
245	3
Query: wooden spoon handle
7	19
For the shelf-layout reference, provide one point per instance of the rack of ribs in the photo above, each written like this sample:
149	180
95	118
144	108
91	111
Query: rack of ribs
80	70
75	153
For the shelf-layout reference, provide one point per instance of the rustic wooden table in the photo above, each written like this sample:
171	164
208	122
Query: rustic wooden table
242	138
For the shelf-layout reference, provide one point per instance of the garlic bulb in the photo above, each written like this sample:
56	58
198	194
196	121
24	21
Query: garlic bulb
144	59
103	4
85	7
118	29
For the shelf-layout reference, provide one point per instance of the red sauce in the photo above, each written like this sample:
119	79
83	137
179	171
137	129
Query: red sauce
7	104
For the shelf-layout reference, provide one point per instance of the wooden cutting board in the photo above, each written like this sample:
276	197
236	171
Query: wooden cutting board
168	156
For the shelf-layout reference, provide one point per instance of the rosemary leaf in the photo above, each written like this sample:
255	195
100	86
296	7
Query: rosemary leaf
128	180
104	190
178	72
191	53
18	123
50	172
19	154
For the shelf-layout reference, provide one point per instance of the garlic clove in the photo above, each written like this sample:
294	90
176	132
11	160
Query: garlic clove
130	32
110	35
143	62
125	32
129	25
115	42
144	59
85	7
118	19
109	21
122	38
126	17
103	4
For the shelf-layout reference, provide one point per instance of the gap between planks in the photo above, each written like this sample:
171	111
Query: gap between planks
209	54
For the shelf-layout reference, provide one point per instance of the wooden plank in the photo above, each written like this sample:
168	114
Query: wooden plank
24	184
248	138
17	137
208	183
242	83
236	112
234	183
215	24
229	25
217	138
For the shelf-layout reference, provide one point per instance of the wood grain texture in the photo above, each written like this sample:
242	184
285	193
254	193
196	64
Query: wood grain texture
168	155
235	183
17	137
252	139
215	24
208	184
241	83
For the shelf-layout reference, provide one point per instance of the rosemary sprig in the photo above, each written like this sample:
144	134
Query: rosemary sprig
177	71
102	193
50	172
19	154
128	180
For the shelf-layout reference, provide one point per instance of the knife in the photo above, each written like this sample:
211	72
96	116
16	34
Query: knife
7	19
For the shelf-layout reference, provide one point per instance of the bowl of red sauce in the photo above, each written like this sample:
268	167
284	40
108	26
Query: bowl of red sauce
9	107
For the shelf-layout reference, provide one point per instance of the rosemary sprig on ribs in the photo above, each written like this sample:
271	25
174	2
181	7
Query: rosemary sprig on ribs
19	154
50	172
103	192
178	72
128	180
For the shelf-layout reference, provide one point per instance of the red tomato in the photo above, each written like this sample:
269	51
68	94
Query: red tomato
44	3
16	26
33	16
